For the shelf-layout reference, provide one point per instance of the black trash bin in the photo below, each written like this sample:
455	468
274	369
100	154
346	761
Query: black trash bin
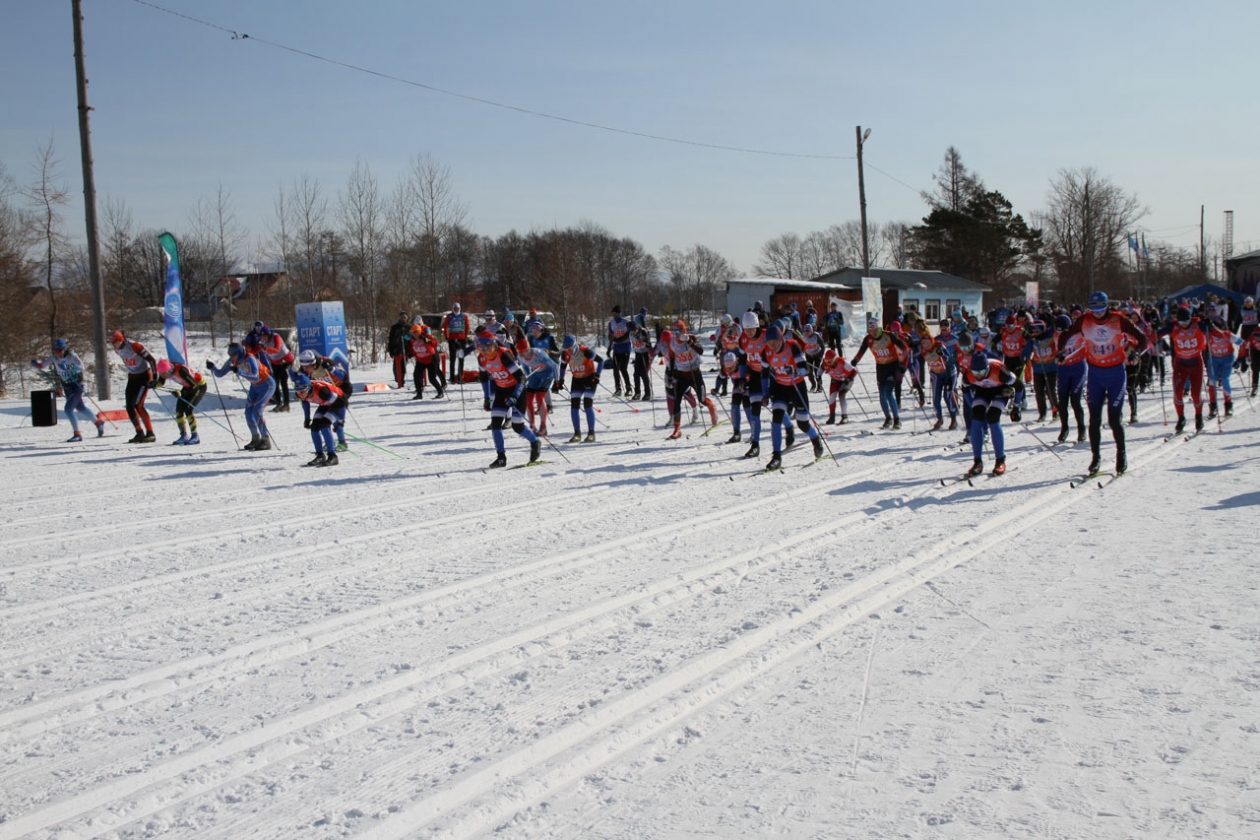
43	408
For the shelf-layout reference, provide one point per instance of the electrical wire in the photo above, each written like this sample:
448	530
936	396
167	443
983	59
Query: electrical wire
242	36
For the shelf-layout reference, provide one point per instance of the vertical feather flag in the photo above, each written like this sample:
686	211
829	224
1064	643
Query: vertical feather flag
173	303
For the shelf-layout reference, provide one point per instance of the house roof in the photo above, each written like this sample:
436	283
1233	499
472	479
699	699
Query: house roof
780	283
903	279
1250	255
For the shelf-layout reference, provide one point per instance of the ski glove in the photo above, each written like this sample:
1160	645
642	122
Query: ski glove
557	388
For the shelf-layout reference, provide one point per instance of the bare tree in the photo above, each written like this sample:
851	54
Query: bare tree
1086	227
361	210
46	193
280	246
310	223
215	221
437	211
15	278
894	240
696	276
781	257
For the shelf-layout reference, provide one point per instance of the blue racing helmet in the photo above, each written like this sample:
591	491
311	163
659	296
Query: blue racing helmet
236	351
1097	303
979	363
59	345
569	342
1063	322
300	380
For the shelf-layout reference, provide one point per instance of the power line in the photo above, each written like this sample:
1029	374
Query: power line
242	36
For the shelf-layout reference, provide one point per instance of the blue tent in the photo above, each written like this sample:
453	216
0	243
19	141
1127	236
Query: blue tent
1202	290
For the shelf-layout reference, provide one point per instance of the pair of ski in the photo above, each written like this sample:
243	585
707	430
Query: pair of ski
971	479
1101	479
785	451
705	433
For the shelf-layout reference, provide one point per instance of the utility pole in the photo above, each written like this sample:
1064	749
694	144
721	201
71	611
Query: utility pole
1202	246
89	210
866	253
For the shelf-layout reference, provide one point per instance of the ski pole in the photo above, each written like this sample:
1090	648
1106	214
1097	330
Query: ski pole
365	439
817	428
1042	442
865	413
215	380
180	398
98	410
553	446
619	399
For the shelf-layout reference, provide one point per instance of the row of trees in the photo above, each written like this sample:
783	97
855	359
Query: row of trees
1076	245
410	248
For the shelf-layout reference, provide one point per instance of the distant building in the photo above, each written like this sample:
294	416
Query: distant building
932	294
1242	273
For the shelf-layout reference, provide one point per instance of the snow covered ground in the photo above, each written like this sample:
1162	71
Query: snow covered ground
643	641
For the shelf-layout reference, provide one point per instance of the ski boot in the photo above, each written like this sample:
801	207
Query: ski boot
75	438
194	440
535	449
1181	425
1212	412
1122	462
1198	421
181	440
636	397
100	428
590	438
1080	435
149	437
577	438
844	418
1132	417
1095	464
317	461
818	447
896	424
499	461
999	466
940	421
953	423
831	420
887	423
754	451
441	392
675	436
264	443
617	393
1041	418
252	445
1229	409
1063	435
976	468
342	446
775	462
137	438
419	396
330	460
735	438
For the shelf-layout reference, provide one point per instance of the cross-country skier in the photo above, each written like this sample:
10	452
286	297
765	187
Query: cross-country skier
1106	348
1221	343
585	366
330	406
507	379
938	358
455	329
619	345
141	373
396	347
66	366
541	372
887	349
785	363
1045	347
325	369
423	347
192	387
685	358
1070	372
735	370
280	360
1188	337
811	342
840	374
992	385
641	346
753	344
261	387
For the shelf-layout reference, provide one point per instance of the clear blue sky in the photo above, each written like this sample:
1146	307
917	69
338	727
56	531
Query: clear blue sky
1157	96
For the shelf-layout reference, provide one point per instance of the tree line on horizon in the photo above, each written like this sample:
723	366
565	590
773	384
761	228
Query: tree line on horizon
410	249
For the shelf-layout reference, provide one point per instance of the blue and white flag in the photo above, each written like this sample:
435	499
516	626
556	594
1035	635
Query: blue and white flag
173	303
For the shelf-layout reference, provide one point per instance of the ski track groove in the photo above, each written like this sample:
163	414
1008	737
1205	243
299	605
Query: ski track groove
851	603
577	559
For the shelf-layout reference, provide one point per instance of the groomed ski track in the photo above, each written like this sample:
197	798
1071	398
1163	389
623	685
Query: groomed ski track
219	644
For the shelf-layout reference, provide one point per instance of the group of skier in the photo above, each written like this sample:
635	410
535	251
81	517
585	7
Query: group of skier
1107	353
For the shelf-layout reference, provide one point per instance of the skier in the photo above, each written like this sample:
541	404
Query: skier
66	366
585	367
1016	350
992	385
280	360
641	345
455	330
423	348
811	342
507	379
735	370
887	350
619	346
141	373
1045	369
1220	361
726	341
396	347
541	371
261	387
192	387
325	369
1188	337
685	358
1105	350
1249	320
938	357
833	325
1070	374
753	345
330	406
785	362
841	375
